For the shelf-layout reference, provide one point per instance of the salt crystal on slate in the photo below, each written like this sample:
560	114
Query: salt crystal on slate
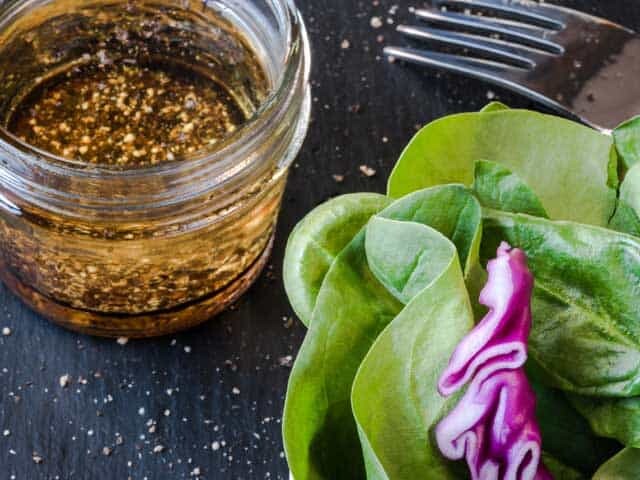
65	380
367	170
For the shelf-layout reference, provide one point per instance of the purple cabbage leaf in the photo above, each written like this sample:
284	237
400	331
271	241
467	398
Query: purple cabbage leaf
493	427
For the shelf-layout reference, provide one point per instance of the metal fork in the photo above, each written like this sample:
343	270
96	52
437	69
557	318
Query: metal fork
573	62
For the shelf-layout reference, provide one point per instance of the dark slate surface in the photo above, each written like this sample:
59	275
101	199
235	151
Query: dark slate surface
224	382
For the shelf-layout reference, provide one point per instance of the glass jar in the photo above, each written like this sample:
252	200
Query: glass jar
149	250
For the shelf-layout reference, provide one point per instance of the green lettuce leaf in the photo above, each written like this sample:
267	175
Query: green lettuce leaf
320	436
627	216
561	471
498	188
624	466
352	308
586	328
317	240
566	435
494	107
569	166
395	419
627	141
617	418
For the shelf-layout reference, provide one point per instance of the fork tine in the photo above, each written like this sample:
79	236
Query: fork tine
525	36
474	67
528	12
492	72
494	48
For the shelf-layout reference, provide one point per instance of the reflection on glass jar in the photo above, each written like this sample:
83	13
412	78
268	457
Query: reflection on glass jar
144	149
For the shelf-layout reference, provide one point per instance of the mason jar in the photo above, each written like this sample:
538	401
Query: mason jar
155	247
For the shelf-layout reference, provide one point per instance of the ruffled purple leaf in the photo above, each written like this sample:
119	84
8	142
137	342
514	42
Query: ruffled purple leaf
499	341
493	427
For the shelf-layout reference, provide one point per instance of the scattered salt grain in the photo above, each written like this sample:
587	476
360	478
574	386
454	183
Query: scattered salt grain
65	380
285	361
367	171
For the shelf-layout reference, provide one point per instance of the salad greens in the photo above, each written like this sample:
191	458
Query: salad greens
552	155
627	216
389	285
351	310
498	187
585	302
617	418
566	435
561	471
413	349
317	241
627	140
623	466
494	107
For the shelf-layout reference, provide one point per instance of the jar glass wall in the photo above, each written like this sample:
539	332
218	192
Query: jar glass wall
139	245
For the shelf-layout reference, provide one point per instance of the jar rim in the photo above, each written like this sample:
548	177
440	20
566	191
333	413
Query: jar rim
221	162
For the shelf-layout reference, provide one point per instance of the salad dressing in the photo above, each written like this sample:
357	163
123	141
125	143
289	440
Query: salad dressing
128	115
155	202
136	100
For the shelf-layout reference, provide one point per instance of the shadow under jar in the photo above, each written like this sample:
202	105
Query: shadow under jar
144	149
